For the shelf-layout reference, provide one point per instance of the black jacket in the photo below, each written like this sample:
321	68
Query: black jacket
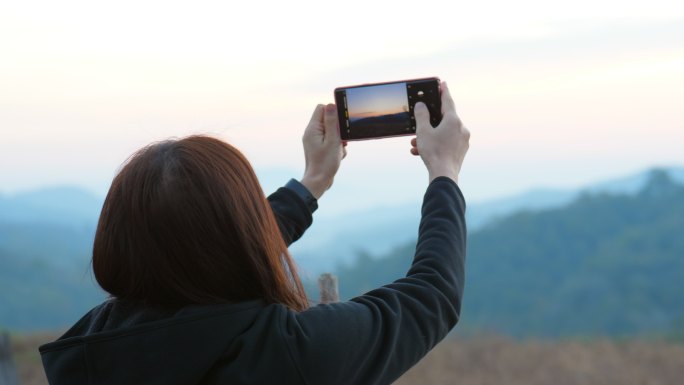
371	339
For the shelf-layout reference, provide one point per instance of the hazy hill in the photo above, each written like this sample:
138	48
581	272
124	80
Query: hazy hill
46	240
604	264
38	294
481	213
64	205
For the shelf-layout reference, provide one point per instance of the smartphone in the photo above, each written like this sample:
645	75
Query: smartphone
379	110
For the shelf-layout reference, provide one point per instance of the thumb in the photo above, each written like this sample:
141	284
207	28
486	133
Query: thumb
316	117
422	115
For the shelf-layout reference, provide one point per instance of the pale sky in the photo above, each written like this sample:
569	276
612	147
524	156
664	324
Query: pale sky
556	94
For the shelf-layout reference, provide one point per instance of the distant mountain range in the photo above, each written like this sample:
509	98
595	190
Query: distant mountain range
46	240
337	240
62	205
479	214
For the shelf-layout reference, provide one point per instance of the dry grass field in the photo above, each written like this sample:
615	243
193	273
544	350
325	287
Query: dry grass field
27	358
501	361
496	361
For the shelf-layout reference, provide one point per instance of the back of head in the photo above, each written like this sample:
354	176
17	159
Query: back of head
186	222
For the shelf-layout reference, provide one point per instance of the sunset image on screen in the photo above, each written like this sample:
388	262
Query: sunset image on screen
379	109
367	102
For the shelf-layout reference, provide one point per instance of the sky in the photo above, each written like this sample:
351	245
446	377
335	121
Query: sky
385	99
555	94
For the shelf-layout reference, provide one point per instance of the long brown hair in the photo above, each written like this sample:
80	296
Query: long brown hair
186	222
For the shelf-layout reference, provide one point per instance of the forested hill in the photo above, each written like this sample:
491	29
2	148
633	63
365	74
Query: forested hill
604	264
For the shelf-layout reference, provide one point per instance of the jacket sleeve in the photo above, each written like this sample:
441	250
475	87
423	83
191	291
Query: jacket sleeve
375	338
291	213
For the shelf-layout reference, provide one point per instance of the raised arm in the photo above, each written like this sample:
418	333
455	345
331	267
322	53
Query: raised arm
292	211
323	153
376	337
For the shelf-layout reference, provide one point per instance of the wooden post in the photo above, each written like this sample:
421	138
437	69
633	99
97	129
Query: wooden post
327	283
8	372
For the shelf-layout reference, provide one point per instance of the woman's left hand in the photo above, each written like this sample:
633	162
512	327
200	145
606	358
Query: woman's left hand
323	150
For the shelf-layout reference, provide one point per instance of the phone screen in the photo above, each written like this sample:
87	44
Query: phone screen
385	109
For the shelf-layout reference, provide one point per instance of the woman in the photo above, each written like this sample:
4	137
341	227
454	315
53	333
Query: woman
203	290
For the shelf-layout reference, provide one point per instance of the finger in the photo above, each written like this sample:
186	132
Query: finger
414	151
330	122
316	118
414	142
447	101
422	115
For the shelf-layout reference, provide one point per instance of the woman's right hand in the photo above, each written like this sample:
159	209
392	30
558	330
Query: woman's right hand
444	147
